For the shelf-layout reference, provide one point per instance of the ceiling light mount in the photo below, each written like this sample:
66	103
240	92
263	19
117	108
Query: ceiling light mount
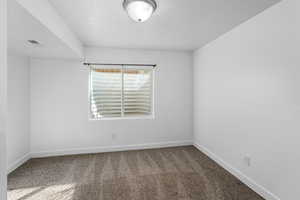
140	10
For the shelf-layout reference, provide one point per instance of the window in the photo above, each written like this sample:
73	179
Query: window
121	92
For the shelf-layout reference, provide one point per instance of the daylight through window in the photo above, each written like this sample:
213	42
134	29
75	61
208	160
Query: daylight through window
121	92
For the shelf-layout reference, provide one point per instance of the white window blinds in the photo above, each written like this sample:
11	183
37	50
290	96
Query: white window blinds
121	92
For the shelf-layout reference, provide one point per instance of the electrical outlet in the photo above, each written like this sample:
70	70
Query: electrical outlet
247	160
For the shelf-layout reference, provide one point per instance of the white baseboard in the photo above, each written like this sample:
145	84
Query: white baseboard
18	163
109	149
238	174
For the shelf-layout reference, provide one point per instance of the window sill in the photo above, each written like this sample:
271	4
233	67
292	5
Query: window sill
124	118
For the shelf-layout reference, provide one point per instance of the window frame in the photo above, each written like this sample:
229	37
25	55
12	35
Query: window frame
141	117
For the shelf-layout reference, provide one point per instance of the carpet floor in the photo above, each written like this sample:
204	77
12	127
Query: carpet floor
180	173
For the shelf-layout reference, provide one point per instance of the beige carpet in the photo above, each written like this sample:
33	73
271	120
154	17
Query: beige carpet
181	173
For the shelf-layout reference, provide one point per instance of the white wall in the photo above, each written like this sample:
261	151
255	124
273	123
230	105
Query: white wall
247	99
59	104
18	136
3	66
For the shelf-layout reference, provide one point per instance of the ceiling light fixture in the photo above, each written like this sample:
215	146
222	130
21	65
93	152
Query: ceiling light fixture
140	10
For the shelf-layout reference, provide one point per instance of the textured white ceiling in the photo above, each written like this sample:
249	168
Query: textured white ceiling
22	26
177	24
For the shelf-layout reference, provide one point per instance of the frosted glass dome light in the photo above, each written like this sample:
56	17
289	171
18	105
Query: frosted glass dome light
139	10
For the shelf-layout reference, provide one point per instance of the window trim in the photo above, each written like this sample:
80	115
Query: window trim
149	117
